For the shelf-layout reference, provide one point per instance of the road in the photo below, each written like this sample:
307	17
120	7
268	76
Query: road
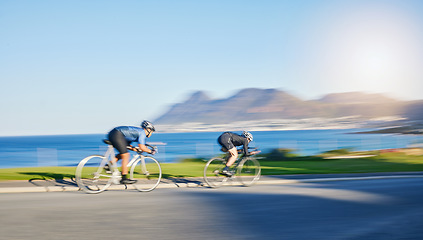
361	209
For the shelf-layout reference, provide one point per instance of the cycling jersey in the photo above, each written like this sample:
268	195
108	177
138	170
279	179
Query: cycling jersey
229	140
133	134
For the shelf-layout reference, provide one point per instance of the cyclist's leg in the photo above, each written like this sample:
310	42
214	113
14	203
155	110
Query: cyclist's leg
233	156
226	143
119	142
125	160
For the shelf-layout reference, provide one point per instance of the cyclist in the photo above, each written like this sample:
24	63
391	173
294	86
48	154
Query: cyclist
229	141
122	137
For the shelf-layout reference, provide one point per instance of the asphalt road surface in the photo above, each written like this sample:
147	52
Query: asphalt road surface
360	209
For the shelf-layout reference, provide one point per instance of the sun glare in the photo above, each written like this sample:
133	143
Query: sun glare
375	59
372	50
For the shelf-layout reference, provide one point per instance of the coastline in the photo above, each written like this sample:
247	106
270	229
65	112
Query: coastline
388	125
407	130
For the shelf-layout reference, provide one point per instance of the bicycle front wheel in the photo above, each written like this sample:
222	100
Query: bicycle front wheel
249	171
91	176
212	172
147	172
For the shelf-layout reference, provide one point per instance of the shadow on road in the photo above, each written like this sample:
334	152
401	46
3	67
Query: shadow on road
383	209
177	180
47	179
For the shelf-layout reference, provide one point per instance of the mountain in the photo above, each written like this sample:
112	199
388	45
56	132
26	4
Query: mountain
247	104
361	104
414	111
198	97
263	104
355	98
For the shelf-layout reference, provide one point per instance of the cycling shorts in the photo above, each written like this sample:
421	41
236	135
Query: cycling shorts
225	141
118	141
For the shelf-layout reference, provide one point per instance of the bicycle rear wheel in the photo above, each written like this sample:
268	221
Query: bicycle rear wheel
212	172
248	171
147	172
91	176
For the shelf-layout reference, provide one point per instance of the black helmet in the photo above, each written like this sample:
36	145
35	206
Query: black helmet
148	125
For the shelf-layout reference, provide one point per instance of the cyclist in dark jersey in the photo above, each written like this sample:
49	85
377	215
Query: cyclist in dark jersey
229	141
122	137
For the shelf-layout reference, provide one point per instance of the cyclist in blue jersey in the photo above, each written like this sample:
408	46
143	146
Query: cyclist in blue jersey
229	141
122	137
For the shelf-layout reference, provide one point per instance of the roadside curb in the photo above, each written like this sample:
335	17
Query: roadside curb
169	184
312	180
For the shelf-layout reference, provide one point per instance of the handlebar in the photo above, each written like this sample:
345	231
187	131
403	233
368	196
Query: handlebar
154	148
253	152
139	151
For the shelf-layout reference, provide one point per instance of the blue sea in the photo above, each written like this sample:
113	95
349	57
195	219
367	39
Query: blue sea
68	150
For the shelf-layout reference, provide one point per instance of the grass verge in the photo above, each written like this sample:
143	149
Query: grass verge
385	162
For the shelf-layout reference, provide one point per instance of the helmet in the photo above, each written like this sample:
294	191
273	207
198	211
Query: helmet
248	135
148	125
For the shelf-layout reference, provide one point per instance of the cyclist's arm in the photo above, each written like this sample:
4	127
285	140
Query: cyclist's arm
246	153
255	152
145	149
141	143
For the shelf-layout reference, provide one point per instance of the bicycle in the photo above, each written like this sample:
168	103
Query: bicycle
246	169
96	173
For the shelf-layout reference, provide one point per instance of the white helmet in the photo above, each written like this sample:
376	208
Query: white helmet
248	135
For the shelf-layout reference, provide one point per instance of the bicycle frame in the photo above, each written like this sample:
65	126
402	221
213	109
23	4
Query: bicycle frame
237	161
109	156
235	164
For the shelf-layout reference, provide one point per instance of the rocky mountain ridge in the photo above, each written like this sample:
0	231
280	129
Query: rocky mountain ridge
255	104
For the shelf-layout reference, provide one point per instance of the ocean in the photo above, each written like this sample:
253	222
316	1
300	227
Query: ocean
68	150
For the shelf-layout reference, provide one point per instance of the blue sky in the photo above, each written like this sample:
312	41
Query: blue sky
70	67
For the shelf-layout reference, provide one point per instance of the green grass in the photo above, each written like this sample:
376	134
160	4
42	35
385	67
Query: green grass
388	162
46	173
359	165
